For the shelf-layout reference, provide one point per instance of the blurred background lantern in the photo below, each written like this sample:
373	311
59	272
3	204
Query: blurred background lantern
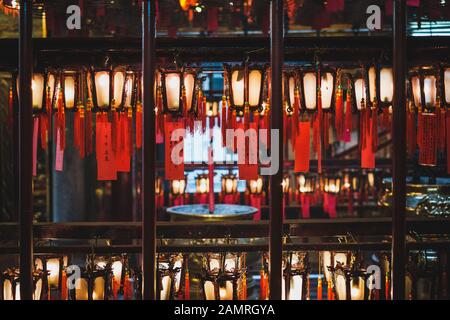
118	266
177	192
306	186
295	276
351	187
93	284
70	88
10	284
170	268
201	189
386	86
54	275
331	188
349	279
256	194
286	187
38	90
159	192
229	189
223	276
212	109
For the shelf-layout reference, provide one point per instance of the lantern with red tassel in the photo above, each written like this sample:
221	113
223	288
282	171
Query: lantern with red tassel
177	192
424	83
201	189
306	186
245	83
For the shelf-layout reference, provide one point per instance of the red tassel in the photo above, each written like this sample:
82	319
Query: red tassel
374	128
262	285
339	114
305	204
127	288
348	117
61	122
441	114
428	139
11	108
43	119
63	285
326	130
138	125
187	286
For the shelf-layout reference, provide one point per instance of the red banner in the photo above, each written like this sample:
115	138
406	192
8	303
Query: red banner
106	162
428	139
302	147
59	158
247	153
174	168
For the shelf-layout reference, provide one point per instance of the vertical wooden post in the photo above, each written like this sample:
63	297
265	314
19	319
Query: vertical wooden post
148	152
25	198
399	151
276	192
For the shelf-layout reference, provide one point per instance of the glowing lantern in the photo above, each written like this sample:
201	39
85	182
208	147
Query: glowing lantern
229	184
222	276
295	275
10	284
93	284
169	274
306	183
202	184
386	86
53	267
285	184
255	186
424	88
70	83
332	184
310	83
445	78
176	85
102	88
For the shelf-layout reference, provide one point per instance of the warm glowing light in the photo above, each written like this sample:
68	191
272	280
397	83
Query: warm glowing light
99	289
447	85
310	90
237	86
360	93
326	88
102	88
172	83
37	88
189	86
202	184
53	267
254	90
128	90
255	186
178	187
386	85
69	90
119	83
429	89
81	289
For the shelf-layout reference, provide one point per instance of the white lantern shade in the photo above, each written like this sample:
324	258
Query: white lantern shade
310	90
117	267
81	289
53	268
172	87
386	85
357	288
360	92
291	90
127	100
98	292
372	75
119	83
102	88
447	85
429	89
69	90
237	87
209	290
37	88
226	292
254	87
189	86
326	88
416	90
165	289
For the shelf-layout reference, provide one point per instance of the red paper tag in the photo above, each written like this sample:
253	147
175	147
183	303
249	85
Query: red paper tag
106	162
302	147
174	159
367	150
428	143
35	143
123	161
248	156
59	158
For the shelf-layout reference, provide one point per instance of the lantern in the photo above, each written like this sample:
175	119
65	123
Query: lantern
177	85
424	87
246	87
169	274
101	88
93	284
359	89
124	88
70	88
178	187
310	82
38	82
222	276
422	274
445	85
295	276
53	268
332	184
255	186
10	284
348	279
229	183
202	184
117	265
285	184
306	183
